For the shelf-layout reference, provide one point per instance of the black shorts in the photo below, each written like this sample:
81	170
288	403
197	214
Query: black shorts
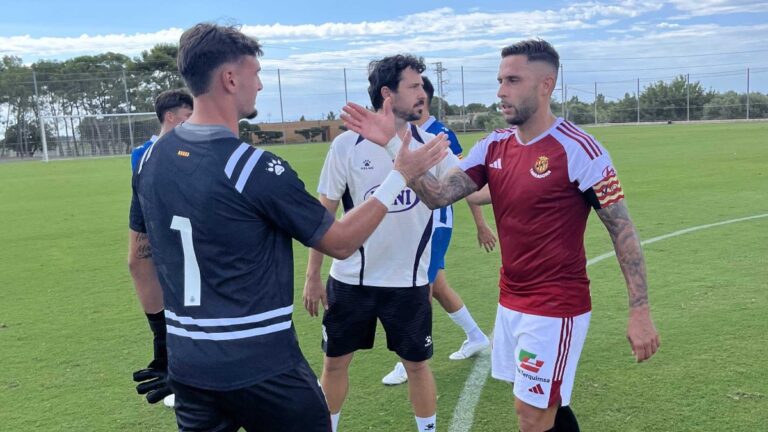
349	324
291	401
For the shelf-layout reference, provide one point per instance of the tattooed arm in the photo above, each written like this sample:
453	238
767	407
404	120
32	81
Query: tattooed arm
143	272
437	193
641	332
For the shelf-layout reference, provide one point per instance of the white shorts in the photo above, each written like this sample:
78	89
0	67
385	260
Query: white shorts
539	354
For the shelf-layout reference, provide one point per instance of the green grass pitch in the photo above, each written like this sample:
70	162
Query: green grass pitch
71	329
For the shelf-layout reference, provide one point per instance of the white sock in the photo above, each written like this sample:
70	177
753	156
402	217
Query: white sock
426	424
335	421
463	319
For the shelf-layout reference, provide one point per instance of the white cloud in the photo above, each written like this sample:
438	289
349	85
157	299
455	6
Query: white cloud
444	23
719	7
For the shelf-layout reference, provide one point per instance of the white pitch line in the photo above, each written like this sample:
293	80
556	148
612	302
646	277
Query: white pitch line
463	415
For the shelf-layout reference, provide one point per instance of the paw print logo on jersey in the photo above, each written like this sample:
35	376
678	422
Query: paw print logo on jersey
367	165
275	166
428	341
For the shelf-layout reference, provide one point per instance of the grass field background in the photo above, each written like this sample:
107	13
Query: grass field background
71	329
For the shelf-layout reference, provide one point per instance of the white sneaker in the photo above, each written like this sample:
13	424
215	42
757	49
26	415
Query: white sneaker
397	376
468	349
169	400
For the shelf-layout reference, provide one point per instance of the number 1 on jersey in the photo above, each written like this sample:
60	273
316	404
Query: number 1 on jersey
191	269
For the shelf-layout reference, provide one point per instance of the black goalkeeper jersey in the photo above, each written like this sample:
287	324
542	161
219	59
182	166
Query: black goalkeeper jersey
220	215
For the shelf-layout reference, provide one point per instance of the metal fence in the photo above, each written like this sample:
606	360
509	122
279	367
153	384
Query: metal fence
109	112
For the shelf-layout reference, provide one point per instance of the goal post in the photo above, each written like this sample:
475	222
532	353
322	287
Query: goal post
95	135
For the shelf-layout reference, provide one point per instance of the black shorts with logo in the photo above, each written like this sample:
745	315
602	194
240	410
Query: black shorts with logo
291	401
349	324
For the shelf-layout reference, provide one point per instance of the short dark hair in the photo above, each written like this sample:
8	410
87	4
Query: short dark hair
170	100
534	50
429	89
387	73
205	47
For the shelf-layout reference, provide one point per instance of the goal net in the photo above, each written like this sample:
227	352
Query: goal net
96	135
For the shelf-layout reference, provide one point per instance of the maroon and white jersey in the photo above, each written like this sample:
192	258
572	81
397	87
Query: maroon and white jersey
542	192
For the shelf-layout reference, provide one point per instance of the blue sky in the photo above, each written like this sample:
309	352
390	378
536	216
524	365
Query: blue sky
609	42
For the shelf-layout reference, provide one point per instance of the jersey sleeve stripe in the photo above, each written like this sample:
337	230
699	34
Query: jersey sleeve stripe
591	142
581	143
236	155
246	172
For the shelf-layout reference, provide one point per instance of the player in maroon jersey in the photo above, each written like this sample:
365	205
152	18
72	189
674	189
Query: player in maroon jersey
544	175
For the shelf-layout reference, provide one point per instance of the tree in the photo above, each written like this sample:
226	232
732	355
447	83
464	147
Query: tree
246	131
477	108
309	133
331	116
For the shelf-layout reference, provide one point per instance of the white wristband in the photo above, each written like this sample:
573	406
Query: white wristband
388	192
391	146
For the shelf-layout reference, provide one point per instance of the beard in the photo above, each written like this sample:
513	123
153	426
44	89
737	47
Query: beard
252	115
523	112
408	116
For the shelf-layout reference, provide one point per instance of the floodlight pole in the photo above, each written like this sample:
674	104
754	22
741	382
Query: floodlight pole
346	97
280	90
463	103
562	90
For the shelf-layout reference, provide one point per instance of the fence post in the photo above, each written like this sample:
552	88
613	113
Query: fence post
747	93
638	100
687	97
282	117
40	119
595	102
128	104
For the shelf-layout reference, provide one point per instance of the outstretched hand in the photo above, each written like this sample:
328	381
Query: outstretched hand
377	127
413	164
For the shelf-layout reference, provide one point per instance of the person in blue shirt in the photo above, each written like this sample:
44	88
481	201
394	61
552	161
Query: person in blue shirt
172	107
220	216
451	302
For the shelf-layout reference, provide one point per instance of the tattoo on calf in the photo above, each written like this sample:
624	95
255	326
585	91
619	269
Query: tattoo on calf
626	243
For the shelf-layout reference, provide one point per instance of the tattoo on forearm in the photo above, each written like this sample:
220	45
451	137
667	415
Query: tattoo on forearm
438	193
143	250
626	243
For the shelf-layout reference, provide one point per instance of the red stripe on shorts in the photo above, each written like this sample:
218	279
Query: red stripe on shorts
566	329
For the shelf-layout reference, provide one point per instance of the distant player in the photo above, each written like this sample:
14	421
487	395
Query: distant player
544	175
443	226
172	108
221	215
386	279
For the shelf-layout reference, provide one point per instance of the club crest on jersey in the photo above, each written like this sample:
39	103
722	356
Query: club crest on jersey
275	166
541	167
405	200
